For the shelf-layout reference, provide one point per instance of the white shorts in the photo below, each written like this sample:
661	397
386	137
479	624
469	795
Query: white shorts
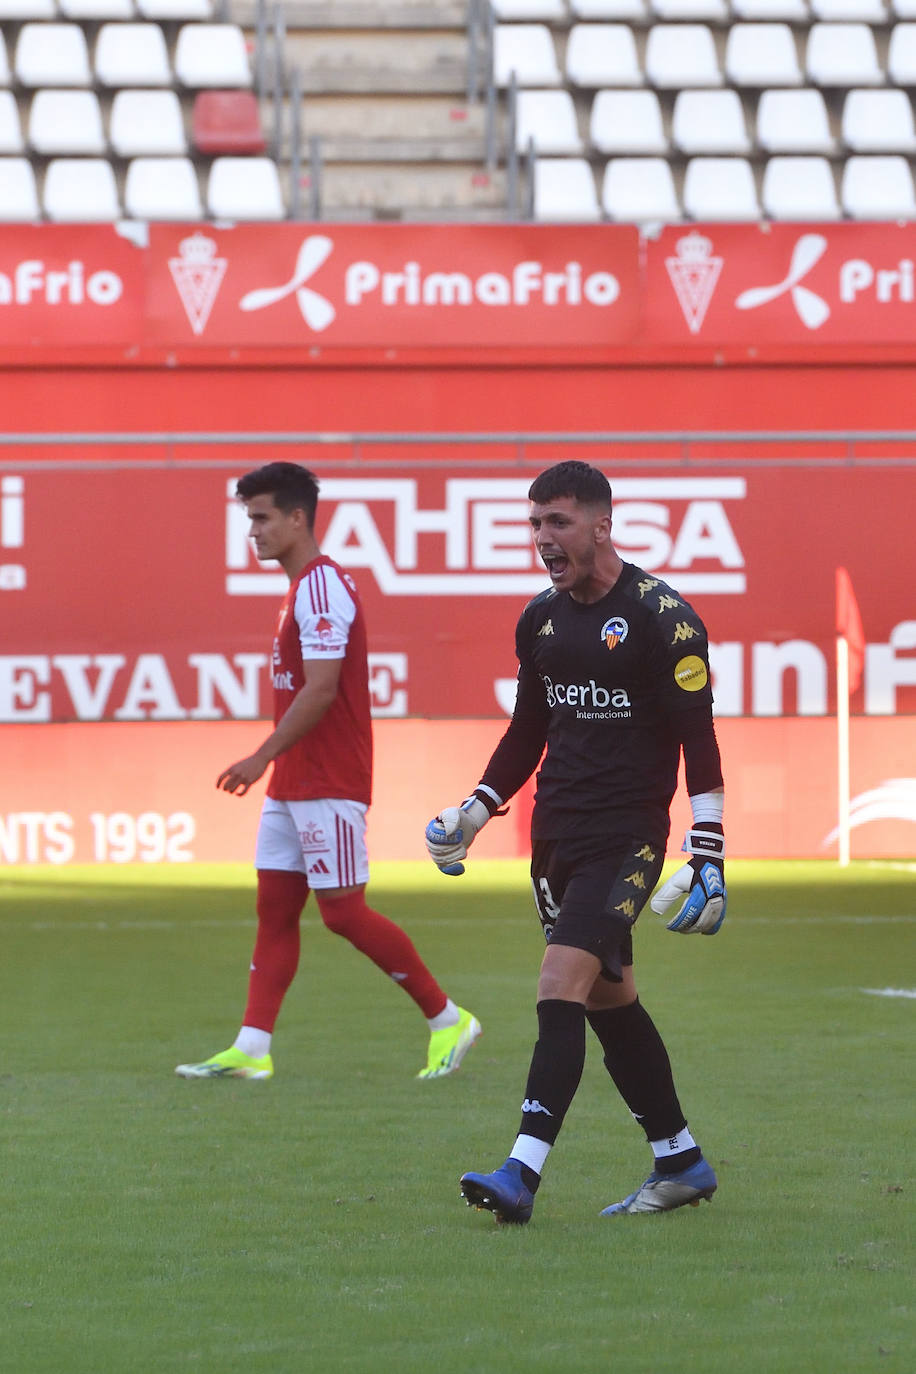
325	840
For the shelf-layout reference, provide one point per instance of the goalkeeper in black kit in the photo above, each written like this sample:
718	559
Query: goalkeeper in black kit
614	679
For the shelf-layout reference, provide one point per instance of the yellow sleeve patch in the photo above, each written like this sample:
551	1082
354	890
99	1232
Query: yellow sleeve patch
690	674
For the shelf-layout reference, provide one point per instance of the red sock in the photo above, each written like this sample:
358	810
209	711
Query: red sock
386	945
281	897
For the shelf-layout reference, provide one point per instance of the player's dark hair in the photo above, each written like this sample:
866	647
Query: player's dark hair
581	481
291	486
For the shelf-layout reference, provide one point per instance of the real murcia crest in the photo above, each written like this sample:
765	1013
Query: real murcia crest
694	273
198	274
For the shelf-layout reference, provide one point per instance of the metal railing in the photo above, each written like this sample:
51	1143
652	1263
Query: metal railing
526	451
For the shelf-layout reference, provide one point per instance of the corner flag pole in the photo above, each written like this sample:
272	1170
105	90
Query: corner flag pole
842	731
850	659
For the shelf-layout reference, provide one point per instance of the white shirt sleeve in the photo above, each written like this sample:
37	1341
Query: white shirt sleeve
324	612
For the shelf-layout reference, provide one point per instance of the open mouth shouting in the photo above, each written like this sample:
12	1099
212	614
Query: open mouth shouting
556	565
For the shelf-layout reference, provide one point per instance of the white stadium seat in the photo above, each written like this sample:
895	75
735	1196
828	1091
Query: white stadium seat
162	188
536	11
244	188
720	188
27	9
707	11
97	9
772	11
132	55
799	188
627	122
901	56
147	124
602	55
167	11
81	190
634	10
848	11
18	192
213	56
548	119
11	140
709	122
680	56
639	190
878	122
564	190
52	55
762	55
528	51
842	55
790	121
66	122
878	188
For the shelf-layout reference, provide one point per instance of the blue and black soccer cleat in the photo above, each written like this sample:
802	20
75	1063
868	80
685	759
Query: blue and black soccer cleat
503	1193
664	1192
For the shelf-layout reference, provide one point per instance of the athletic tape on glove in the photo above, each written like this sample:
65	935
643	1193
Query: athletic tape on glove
450	834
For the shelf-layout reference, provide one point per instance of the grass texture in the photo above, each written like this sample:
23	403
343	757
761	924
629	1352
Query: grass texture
313	1223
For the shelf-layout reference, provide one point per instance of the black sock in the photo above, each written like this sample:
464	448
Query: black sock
636	1058
556	1068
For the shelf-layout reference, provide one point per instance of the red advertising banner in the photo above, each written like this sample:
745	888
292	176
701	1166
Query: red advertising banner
395	285
132	594
781	284
177	291
118	794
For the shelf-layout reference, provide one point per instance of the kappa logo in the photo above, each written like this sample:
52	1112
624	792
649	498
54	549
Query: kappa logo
532	1105
684	631
198	274
647	854
315	309
628	907
694	273
638	879
546	629
646	586
668	603
812	310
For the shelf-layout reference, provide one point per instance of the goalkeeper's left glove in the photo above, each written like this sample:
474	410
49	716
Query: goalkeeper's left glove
450	834
703	880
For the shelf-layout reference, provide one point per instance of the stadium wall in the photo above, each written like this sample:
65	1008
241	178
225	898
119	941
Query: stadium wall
751	453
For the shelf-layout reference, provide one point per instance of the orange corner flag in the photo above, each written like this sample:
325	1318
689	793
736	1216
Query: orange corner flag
849	626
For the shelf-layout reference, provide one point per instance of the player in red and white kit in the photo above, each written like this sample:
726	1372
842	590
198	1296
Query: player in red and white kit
312	833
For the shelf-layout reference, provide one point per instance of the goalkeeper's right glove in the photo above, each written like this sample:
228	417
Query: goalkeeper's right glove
702	879
450	834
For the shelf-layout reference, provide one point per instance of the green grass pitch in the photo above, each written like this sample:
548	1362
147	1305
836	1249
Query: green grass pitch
313	1223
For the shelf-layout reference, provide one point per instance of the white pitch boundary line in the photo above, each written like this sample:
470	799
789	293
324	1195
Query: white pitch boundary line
890	992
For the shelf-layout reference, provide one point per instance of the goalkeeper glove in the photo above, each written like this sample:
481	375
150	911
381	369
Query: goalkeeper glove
450	834
702	879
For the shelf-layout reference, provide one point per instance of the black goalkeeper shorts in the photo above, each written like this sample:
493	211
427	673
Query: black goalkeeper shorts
589	892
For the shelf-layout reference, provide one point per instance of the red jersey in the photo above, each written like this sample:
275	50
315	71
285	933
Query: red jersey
321	617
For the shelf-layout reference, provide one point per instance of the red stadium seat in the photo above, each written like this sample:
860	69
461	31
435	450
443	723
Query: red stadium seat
226	122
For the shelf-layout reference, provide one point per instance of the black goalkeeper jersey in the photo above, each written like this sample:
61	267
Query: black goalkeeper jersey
614	690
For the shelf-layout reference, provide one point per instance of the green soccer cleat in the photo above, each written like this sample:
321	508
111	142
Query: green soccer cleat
231	1063
448	1047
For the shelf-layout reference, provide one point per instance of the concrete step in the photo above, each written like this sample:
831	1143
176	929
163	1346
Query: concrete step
394	128
334	62
407	191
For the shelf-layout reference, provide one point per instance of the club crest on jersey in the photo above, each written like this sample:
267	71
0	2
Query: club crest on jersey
614	631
